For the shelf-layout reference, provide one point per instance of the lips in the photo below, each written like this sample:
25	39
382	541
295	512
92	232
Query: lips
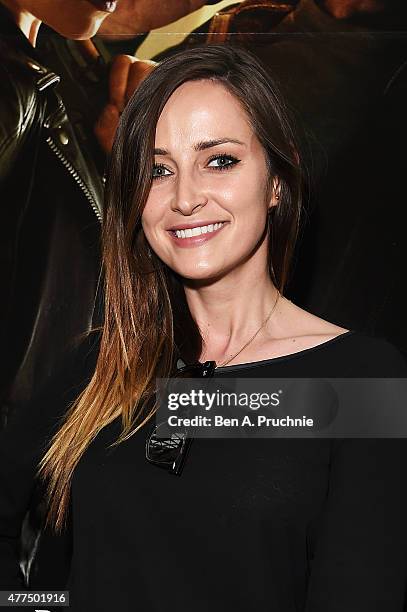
194	241
192	224
107	6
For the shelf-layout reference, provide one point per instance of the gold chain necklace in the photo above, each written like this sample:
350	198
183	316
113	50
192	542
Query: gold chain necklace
220	365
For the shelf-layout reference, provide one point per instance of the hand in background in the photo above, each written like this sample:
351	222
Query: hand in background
126	73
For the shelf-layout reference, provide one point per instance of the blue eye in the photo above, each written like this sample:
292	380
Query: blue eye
159	171
224	161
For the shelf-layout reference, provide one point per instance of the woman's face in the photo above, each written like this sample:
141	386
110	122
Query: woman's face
206	213
76	19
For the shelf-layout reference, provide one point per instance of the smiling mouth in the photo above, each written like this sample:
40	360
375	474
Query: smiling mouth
191	237
197	231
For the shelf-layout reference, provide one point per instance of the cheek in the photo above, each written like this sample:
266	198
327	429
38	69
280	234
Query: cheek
150	220
146	223
248	203
71	22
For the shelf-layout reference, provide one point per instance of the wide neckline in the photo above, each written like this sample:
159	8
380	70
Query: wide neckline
252	364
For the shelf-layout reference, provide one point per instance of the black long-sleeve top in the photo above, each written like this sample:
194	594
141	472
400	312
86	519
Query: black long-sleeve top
281	525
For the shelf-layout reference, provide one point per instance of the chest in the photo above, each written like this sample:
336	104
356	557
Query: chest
224	481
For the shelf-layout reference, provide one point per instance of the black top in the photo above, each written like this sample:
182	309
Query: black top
251	524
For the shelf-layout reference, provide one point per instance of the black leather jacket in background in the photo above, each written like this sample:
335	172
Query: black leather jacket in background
51	209
50	198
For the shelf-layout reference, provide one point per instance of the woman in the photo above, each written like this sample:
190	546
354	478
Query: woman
250	524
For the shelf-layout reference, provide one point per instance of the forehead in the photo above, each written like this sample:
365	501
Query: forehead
201	110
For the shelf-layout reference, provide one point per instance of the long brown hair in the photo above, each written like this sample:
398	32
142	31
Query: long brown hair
147	320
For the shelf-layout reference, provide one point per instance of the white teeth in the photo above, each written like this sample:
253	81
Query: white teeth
197	231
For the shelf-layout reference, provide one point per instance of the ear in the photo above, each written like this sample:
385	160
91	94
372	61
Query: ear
275	192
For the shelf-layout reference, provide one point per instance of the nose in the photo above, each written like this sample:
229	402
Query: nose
189	195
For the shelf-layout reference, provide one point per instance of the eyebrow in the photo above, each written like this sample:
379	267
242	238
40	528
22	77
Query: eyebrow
204	144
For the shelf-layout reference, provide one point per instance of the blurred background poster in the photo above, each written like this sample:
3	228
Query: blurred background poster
342	65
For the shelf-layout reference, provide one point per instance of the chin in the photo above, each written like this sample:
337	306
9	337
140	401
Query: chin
200	275
80	31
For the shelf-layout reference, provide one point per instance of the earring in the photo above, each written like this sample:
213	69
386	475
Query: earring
276	189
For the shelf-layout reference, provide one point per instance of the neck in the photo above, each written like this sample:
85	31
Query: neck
230	310
28	24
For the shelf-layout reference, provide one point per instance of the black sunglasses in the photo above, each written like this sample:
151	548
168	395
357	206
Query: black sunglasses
171	452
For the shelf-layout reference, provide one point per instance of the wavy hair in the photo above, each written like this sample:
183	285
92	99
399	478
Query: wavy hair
147	321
